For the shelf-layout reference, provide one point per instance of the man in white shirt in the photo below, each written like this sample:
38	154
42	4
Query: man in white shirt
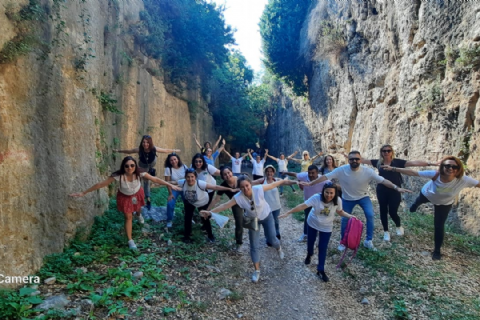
236	163
354	180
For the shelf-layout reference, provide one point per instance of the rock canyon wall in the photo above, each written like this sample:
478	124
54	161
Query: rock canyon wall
57	128
398	72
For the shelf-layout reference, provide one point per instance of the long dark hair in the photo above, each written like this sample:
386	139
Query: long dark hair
150	143
324	166
223	169
199	156
121	172
167	163
330	185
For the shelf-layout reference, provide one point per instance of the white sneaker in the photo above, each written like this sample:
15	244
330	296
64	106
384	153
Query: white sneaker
386	236
341	247
303	238
400	231
281	255
131	245
169	224
140	218
238	248
256	276
369	245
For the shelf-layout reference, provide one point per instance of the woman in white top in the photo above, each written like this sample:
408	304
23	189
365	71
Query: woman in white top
272	197
205	172
257	163
174	171
236	163
195	195
130	195
282	168
252	200
441	190
320	220
147	159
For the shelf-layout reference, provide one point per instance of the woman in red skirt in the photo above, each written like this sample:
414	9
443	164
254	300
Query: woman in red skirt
130	196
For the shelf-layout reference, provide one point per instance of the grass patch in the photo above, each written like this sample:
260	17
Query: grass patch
411	284
99	266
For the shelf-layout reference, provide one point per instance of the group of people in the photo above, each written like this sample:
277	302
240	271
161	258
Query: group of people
256	202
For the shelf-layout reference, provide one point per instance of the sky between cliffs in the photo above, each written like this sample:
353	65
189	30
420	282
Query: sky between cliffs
244	16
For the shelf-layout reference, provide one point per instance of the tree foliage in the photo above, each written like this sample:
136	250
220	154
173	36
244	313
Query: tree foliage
236	104
280	27
188	37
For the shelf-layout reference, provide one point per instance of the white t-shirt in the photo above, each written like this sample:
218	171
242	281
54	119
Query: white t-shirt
322	214
273	197
196	194
261	208
282	165
207	176
354	183
175	174
129	188
257	167
441	193
237	164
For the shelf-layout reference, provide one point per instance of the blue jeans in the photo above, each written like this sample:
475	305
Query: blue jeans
146	183
367	208
269	229
324	238
305	225
283	176
171	204
275	215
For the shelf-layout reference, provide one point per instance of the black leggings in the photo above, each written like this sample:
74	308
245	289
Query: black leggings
190	210
440	217
389	201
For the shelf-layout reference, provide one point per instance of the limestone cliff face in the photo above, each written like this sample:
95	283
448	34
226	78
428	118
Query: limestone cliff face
398	72
55	135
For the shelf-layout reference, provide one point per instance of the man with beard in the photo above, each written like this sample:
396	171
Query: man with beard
354	180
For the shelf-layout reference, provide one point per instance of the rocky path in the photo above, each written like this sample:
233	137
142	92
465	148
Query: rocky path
288	289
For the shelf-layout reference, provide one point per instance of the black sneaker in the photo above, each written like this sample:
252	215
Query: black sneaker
279	237
187	240
149	204
308	259
322	275
269	244
211	239
294	191
414	207
436	255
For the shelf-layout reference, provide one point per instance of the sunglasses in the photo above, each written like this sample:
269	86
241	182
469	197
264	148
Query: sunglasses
354	159
328	185
252	205
146	137
387	151
129	166
450	166
190	170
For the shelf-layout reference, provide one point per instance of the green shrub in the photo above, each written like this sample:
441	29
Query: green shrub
280	27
